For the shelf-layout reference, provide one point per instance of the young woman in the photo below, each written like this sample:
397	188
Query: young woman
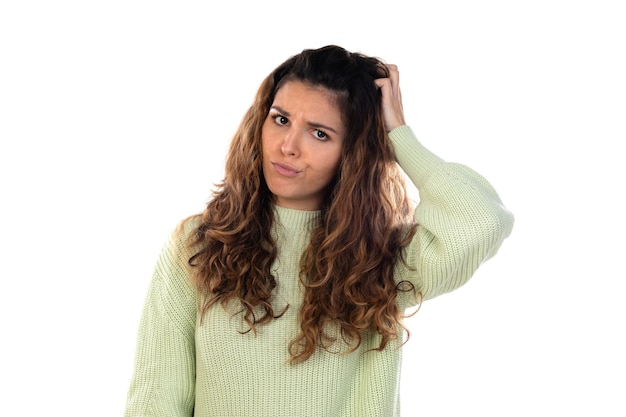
285	297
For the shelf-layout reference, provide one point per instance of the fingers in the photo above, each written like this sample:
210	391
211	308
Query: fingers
391	98
393	78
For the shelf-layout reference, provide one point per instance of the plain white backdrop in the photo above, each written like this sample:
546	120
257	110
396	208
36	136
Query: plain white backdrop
115	117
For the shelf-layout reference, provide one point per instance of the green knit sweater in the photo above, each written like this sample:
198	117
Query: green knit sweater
183	368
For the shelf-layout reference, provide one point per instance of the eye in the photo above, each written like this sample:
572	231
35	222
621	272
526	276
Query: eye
280	120
320	134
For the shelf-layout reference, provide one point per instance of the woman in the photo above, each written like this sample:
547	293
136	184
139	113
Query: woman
285	297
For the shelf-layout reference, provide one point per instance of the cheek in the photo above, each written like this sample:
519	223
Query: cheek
333	162
268	141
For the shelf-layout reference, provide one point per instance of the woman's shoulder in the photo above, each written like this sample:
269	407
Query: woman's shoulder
187	226
183	237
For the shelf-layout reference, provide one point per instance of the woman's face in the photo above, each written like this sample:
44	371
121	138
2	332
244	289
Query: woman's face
302	139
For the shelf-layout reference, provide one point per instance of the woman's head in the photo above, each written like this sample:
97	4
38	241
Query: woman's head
348	78
302	142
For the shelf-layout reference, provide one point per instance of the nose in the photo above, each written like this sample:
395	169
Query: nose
291	144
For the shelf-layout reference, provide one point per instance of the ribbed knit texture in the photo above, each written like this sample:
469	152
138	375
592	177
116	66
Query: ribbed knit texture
221	371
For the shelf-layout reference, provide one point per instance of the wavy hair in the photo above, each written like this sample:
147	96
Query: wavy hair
347	270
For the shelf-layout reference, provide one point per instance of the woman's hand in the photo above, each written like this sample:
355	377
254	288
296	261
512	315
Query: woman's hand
391	98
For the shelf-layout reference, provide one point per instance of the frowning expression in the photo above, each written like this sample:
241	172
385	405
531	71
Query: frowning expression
302	140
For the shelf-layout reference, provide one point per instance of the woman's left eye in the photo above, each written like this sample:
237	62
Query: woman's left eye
319	134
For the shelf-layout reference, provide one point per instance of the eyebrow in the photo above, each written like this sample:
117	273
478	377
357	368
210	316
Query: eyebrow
313	124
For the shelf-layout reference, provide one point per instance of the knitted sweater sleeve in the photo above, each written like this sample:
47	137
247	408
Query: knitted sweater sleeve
461	220
163	382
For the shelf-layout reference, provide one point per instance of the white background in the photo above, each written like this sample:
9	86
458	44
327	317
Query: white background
114	121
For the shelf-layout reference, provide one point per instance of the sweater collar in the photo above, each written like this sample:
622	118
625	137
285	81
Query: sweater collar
296	219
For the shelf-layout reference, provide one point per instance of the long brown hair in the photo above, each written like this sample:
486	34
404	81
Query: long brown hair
348	268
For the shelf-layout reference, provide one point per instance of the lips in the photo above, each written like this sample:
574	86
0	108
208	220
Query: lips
286	170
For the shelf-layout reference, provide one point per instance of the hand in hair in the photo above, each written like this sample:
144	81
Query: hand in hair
391	98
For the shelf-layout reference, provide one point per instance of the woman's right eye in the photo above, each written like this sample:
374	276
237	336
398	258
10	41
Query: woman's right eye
281	120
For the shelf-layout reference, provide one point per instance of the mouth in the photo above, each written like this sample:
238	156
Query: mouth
286	170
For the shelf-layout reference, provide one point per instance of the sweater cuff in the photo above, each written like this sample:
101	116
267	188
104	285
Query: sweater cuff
414	159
